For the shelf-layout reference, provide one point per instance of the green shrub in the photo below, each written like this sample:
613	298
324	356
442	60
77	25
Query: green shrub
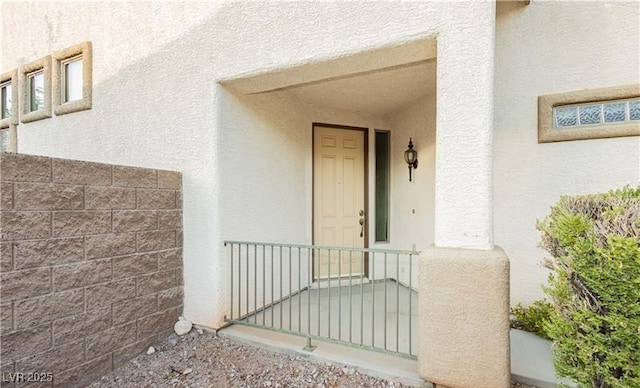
595	287
533	318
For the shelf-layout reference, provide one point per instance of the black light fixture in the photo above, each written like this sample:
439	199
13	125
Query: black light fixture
411	157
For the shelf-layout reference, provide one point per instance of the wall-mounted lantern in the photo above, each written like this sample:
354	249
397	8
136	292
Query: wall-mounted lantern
411	157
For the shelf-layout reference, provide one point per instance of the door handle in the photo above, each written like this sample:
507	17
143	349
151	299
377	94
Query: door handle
361	223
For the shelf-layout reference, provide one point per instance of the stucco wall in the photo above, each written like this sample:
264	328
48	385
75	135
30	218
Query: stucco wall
157	103
545	48
140	118
413	203
90	266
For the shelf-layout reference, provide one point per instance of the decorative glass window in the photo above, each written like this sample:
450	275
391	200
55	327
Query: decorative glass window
610	112
36	90
72	79
589	114
9	99
382	185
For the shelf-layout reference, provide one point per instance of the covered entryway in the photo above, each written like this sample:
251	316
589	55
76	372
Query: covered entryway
334	255
267	119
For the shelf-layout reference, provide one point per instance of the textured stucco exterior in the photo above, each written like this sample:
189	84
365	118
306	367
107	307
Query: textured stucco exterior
466	344
204	88
195	125
569	54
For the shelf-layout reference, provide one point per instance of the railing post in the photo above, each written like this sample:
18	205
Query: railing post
231	304
309	347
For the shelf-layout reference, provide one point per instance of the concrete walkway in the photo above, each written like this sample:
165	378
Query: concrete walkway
382	315
531	359
368	362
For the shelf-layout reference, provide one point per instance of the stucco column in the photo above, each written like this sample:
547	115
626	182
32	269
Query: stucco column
464	132
464	279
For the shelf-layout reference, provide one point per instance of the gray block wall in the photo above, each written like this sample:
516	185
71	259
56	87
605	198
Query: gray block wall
90	265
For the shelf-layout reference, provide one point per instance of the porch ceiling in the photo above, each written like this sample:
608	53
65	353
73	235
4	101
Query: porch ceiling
379	92
378	82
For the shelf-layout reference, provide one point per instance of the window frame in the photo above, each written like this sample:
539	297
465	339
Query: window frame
12	77
548	132
60	58
43	64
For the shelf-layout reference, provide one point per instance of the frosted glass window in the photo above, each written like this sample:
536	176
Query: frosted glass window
36	91
72	80
6	102
590	114
634	110
602	112
614	112
566	117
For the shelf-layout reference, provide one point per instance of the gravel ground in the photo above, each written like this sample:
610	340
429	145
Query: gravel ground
205	360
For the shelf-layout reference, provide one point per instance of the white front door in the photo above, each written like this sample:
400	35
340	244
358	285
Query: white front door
339	217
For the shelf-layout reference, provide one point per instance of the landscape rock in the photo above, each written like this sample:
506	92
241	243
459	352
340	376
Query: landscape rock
151	350
221	362
182	327
173	340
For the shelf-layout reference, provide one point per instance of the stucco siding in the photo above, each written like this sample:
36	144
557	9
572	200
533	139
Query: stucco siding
544	48
246	160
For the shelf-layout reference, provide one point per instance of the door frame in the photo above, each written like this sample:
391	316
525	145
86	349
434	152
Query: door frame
365	131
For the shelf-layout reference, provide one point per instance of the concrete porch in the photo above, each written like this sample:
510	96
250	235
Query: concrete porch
381	315
348	321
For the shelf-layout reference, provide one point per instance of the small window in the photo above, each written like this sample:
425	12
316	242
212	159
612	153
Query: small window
9	99
585	115
589	114
72	79
4	140
36	90
6	102
382	186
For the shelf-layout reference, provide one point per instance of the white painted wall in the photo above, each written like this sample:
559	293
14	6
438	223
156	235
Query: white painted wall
150	65
409	228
157	104
545	48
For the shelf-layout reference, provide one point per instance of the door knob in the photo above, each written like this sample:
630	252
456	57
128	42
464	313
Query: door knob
361	227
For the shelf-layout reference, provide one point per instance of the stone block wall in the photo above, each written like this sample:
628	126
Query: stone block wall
90	265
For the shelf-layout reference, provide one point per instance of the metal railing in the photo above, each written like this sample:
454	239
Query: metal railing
354	296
